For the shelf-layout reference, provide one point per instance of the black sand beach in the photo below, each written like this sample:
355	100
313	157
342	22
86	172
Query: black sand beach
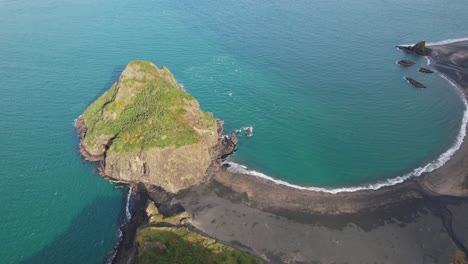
410	232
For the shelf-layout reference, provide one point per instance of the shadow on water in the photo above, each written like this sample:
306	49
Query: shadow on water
114	77
89	238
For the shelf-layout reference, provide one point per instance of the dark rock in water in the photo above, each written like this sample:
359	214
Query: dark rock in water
424	70
419	49
226	165
406	63
227	145
248	132
415	83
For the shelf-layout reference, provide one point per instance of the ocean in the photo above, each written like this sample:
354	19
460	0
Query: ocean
317	81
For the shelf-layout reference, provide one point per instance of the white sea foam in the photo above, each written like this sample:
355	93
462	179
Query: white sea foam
447	41
128	217
76	119
442	42
251	129
431	166
111	258
128	212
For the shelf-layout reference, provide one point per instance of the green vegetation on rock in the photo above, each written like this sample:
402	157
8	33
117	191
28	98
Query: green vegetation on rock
155	217
168	240
460	258
179	245
420	47
148	129
146	108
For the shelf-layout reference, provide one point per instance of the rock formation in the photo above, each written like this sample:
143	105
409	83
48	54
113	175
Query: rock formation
405	63
419	49
147	129
415	83
248	132
424	70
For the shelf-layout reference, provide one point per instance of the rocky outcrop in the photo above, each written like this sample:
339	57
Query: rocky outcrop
405	63
227	144
418	48
146	129
425	70
248	132
415	83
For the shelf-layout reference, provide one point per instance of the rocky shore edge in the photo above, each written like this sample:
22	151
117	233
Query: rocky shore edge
143	194
449	180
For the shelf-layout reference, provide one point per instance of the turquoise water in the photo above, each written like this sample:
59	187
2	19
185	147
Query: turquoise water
316	79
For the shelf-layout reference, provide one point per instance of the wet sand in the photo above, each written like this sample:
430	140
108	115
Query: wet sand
413	232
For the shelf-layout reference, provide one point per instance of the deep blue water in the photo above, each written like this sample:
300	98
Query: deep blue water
316	79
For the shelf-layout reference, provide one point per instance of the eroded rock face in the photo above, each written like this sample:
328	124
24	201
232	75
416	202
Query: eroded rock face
146	129
227	144
171	168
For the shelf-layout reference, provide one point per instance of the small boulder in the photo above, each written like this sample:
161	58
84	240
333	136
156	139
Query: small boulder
415	83
424	70
248	132
405	63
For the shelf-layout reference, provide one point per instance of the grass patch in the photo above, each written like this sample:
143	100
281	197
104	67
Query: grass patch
179	245
146	109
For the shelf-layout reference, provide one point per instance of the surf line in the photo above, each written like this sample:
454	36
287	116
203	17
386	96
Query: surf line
431	166
442	42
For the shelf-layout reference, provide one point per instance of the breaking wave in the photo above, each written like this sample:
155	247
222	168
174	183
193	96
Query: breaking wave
442	42
128	213
431	166
128	217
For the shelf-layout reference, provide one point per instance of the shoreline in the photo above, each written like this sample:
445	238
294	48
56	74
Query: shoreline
445	176
284	200
450	60
434	165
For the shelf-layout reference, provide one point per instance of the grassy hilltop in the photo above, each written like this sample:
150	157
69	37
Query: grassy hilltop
147	129
179	245
151	111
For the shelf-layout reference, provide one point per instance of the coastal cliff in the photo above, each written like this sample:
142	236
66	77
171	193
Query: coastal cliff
147	129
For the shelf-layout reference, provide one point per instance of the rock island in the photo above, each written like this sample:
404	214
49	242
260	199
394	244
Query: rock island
147	129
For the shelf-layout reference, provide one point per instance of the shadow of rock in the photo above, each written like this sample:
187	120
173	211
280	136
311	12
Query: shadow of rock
114	77
88	239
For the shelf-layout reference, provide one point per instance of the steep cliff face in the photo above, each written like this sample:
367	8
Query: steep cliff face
147	129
